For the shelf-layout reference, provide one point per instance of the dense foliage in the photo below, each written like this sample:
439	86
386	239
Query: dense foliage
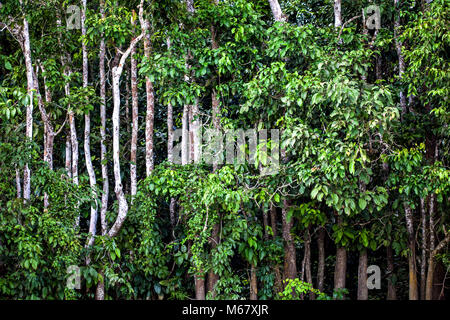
363	180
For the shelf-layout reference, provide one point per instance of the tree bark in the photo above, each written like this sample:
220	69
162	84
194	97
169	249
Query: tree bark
337	14
290	264
149	118
87	138
401	60
423	259
391	293
29	110
123	205
430	274
413	290
363	291
276	11
321	262
340	269
135	124
253	283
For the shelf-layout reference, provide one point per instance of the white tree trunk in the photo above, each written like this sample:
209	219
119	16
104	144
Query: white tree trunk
29	112
149	118
337	14
276	10
123	205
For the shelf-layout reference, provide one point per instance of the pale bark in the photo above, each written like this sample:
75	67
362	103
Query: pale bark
87	137
149	118
68	156
103	158
134	125
29	109
18	184
423	258
100	289
276	11
337	14
123	205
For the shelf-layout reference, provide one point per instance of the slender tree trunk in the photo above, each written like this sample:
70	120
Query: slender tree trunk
100	290
340	269
337	14
29	109
212	276
399	48
134	125
276	267
290	264
363	291
423	259
18	184
199	286
430	274
87	138
123	205
321	262
68	156
308	271
103	157
276	11
149	118
413	290
253	283
391	293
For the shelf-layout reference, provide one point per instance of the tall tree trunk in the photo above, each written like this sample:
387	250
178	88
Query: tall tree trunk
290	264
29	111
87	138
199	286
68	155
423	259
430	274
363	291
276	11
399	48
170	153
100	290
135	124
212	276
337	14
413	290
308	271
253	283
149	118
391	293
321	262
340	269
123	205
276	267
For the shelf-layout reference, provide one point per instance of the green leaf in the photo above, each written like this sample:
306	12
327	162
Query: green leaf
362	203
